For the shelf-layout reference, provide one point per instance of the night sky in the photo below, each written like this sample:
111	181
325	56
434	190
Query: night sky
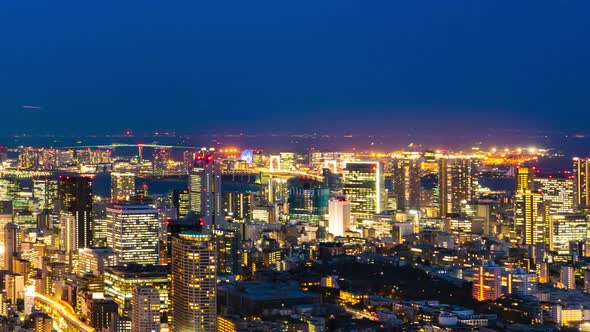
298	66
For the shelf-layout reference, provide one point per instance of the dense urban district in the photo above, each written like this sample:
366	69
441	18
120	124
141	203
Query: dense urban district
310	241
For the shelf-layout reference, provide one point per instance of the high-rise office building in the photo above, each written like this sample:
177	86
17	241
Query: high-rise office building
363	184
195	185
228	246
194	283
181	201
205	192
338	215
565	228
581	179
122	186
456	182
120	281
406	183
523	179
12	240
5	219
69	234
75	198
308	199
95	260
558	193
487	281
134	233
567	278
530	218
145	309
45	192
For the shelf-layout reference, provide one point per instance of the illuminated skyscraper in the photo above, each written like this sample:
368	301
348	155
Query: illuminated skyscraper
75	198
181	201
338	215
12	239
582	182
205	191
487	281
195	183
523	179
530	218
69	235
406	183
5	219
193	295
308	199
134	233
228	246
363	184
557	192
45	192
122	186
456	182
145	309
564	228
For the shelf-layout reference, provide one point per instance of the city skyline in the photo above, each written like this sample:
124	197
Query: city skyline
315	166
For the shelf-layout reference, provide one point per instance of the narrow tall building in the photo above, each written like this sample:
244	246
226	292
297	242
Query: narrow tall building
523	179
133	233
406	183
205	192
122	186
456	182
228	246
181	201
75	198
530	218
581	179
193	298
363	184
12	241
145	309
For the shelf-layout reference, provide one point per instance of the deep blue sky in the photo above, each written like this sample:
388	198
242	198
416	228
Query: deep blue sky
255	65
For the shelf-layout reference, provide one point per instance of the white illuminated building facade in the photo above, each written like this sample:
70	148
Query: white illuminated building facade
338	215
